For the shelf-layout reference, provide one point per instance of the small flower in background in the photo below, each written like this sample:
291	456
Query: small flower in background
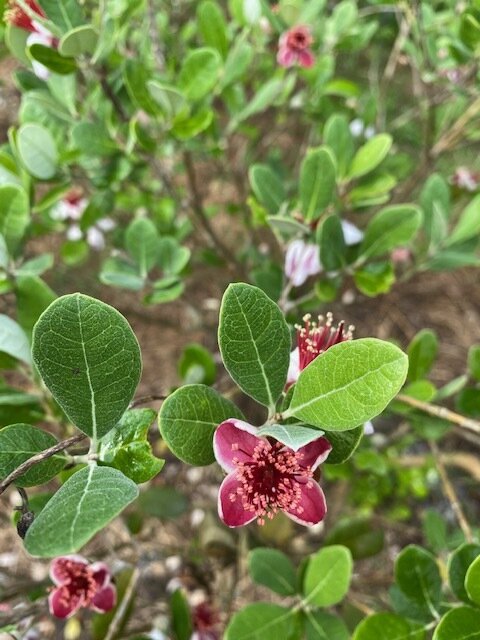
205	621
294	47
266	476
302	260
358	128
400	255
16	16
465	178
71	208
314	338
80	584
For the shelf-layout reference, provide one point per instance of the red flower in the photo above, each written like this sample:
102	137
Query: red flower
312	340
205	621
265	476
294	47
19	18
80	584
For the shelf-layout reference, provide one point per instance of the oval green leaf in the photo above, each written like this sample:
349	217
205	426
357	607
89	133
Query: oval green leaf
14	214
317	182
389	228
199	73
255	342
327	577
84	505
388	626
37	150
458	565
459	624
349	384
418	576
260	621
274	570
89	358
370	155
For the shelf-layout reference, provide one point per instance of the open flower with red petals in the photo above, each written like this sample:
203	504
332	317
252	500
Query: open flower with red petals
294	47
80	584
265	476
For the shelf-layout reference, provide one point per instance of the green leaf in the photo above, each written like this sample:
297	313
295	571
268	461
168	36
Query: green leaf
16	41
267	186
37	150
374	190
254	342
119	273
14	340
172	257
344	444
165	503
200	73
260	621
317	182
142	243
33	297
79	41
348	384
212	26
274	570
188	419
140	88
89	358
190	126
84	505
435	531
388	626
361	535
294	436
65	14
338	138
332	243
92	139
36	266
170	100
462	623
196	365
468	225
435	203
320	625
18	443
474	361
182	625
262	99
14	214
165	290
422	352
327	576
472	581
370	155
418	576
389	228
126	447
237	63
375	278
4	257
51	59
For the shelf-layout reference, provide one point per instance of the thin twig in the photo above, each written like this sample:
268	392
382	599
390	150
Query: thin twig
440	412
117	619
37	458
451	494
199	211
145	400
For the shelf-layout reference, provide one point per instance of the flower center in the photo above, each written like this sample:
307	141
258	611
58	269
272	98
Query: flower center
78	583
270	480
299	39
316	337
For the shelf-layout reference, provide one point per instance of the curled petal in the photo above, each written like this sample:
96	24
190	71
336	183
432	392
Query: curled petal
351	233
301	261
293	367
101	574
60	567
62	604
105	599
306	59
312	504
234	439
314	453
232	512
286	57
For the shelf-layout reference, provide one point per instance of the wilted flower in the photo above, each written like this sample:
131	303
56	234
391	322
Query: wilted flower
205	620
465	178
294	47
18	17
80	584
302	260
314	338
265	476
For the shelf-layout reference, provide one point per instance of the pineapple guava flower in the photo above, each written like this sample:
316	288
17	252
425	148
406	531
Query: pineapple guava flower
80	584
265	476
465	178
294	47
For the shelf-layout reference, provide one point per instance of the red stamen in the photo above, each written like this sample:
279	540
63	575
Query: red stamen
315	338
19	18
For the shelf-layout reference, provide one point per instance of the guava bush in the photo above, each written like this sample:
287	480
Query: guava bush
341	141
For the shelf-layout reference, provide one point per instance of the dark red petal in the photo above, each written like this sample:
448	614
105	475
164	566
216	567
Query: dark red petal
62	604
101	573
105	599
230	433
233	513
313	503
314	453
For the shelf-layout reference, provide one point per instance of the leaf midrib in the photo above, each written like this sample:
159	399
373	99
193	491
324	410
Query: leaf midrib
87	373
